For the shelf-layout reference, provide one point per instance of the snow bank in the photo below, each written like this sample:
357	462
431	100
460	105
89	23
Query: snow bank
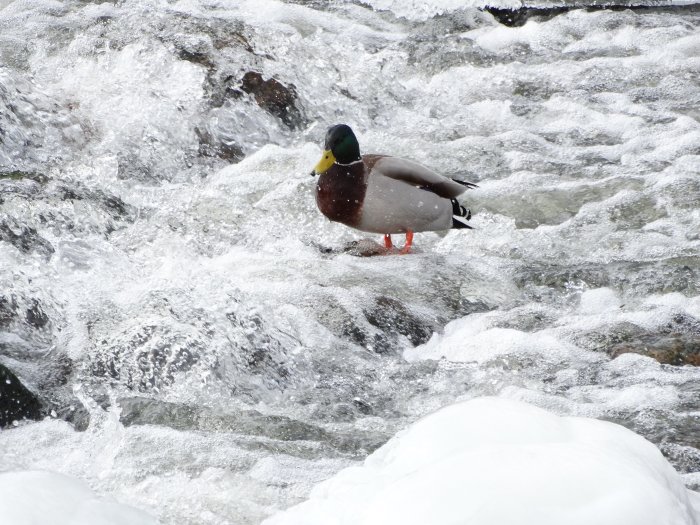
497	461
48	498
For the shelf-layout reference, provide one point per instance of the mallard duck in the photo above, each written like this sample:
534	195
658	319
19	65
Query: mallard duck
382	194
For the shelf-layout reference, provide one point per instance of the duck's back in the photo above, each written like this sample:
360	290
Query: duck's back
395	206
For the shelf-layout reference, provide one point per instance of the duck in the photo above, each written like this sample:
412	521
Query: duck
384	194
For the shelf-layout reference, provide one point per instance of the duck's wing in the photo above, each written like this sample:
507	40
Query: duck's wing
416	174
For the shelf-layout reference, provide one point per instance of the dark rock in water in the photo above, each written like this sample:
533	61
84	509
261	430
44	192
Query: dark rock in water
518	17
196	57
50	375
274	97
364	248
112	204
146	358
25	239
685	459
75	414
17	402
378	343
391	316
281	429
673	349
21	175
132	167
561	277
8	310
676	344
146	411
210	146
35	316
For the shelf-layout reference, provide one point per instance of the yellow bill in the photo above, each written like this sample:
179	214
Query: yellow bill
327	160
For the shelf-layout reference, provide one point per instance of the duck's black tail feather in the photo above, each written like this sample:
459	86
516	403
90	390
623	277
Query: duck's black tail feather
469	185
460	215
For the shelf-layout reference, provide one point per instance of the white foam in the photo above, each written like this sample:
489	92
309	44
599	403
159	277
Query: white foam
474	339
599	300
422	10
584	156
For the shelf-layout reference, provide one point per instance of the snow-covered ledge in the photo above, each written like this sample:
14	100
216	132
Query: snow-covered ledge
48	498
501	462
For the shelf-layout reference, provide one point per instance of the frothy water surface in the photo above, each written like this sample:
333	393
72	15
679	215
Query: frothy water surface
201	318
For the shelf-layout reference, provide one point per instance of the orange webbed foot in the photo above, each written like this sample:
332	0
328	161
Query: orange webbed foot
387	242
409	242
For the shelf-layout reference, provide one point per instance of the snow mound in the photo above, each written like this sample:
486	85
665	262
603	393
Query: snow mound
48	498
497	461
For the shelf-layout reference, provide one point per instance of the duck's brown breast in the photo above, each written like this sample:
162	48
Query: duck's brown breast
340	193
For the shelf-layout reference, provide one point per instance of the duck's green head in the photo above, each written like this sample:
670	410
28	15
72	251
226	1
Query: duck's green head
341	147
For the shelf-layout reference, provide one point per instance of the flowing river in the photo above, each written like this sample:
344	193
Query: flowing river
202	341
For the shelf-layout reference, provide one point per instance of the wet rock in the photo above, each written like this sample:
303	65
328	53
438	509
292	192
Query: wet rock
561	277
677	343
376	342
362	406
132	167
468	306
17	402
364	248
673	349
274	97
50	374
518	17
196	57
147	411
22	175
112	204
35	316
145	370
8	310
685	459
643	277
257	360
25	238
211	146
75	414
391	316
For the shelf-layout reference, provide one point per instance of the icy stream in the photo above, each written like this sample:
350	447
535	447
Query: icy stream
168	286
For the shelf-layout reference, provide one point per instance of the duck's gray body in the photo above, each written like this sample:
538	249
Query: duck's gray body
382	194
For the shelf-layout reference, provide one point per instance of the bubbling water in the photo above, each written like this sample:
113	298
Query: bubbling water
203	322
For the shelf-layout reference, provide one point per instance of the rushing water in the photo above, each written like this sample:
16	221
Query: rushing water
205	327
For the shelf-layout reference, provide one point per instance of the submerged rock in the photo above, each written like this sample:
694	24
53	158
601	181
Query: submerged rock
677	343
392	317
17	402
274	97
671	349
147	411
518	17
213	146
35	316
25	238
22	175
8	310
